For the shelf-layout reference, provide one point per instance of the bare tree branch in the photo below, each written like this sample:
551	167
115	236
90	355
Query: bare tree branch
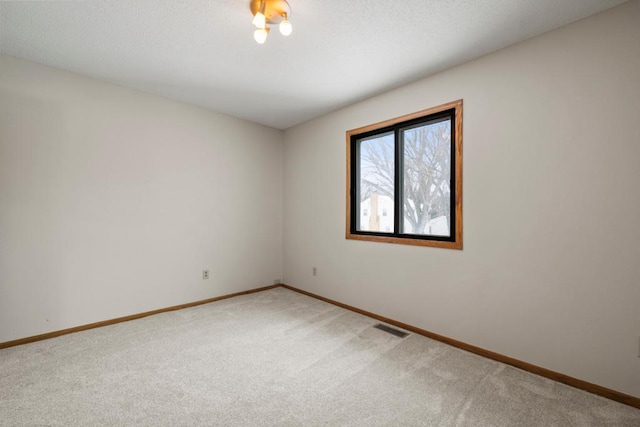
426	173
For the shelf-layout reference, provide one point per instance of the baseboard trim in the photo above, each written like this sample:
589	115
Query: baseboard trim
543	372
54	334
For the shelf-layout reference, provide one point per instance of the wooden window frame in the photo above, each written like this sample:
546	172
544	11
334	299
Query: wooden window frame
452	242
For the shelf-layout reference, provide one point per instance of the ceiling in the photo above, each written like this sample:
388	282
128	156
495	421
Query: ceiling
202	52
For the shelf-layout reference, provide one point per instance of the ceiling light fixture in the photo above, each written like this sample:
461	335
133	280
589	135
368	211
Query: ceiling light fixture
270	12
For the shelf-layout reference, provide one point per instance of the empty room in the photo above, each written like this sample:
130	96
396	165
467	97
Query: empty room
364	213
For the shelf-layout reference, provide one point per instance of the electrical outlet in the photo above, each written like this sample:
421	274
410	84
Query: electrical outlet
205	274
315	271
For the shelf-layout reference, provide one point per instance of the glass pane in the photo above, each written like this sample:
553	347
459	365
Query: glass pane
426	188
375	183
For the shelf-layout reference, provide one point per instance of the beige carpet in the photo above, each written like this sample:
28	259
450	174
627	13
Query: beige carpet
277	358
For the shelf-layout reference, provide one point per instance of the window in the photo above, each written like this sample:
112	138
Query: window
407	172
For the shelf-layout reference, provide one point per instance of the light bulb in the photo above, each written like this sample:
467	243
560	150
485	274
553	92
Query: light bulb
260	35
259	20
285	27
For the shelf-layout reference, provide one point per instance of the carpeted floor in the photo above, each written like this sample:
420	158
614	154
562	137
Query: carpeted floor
277	358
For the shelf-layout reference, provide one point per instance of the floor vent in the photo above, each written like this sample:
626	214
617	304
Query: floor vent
392	331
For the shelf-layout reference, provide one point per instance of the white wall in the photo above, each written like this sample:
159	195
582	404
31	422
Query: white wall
113	201
550	271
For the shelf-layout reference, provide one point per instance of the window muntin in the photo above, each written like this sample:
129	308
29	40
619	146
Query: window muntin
411	169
